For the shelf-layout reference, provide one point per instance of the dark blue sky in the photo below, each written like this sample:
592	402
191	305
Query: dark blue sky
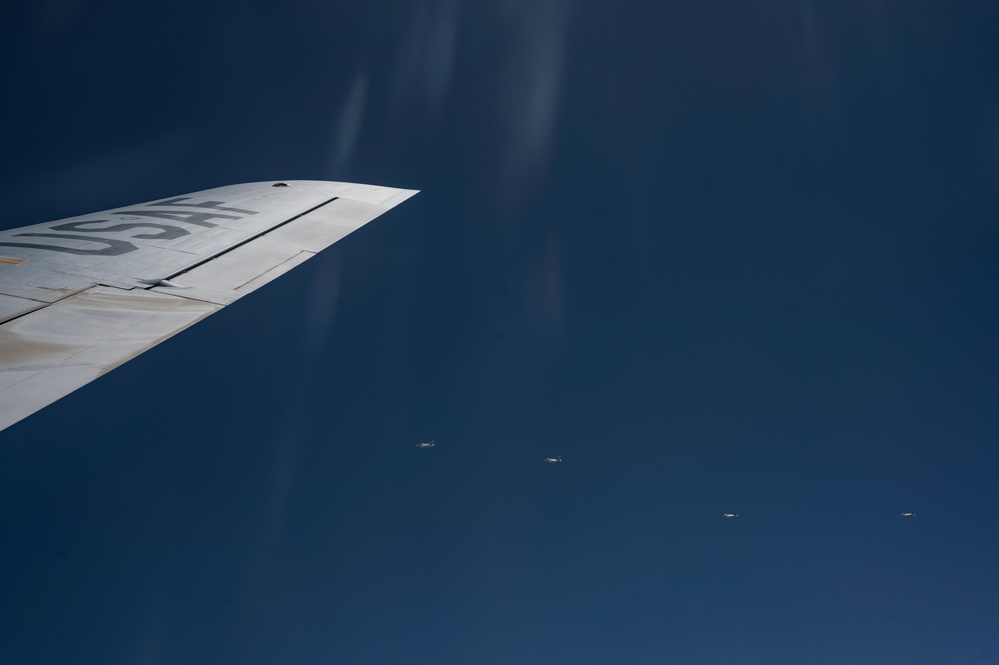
720	256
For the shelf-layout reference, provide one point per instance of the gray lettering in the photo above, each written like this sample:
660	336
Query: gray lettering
199	218
114	247
168	232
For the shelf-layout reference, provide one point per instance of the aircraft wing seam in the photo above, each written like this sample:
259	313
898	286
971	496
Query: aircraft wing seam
245	241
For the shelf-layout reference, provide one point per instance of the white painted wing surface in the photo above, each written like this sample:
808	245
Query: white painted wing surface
80	296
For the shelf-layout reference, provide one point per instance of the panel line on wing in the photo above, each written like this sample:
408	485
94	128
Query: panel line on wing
247	240
276	271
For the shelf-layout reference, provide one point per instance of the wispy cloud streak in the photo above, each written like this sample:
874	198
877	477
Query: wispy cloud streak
349	125
426	56
531	92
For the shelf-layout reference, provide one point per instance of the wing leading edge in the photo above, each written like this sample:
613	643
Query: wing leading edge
80	296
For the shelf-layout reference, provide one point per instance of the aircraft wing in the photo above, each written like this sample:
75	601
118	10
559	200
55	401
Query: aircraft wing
80	296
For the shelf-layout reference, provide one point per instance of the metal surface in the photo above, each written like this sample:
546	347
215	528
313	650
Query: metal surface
83	295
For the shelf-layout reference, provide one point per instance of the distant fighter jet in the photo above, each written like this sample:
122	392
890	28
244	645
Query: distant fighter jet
427	444
553	460
908	514
730	515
